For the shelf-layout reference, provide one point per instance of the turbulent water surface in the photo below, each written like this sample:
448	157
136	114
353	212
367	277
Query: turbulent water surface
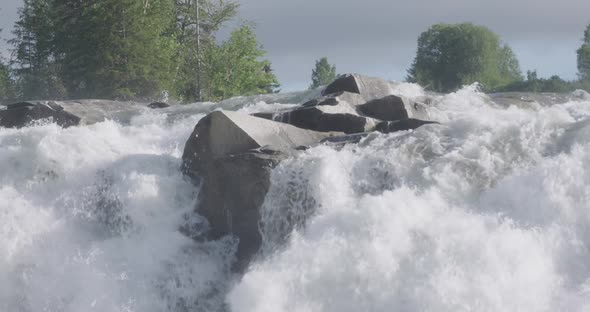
487	212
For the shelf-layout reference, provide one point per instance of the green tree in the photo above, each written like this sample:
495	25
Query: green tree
35	69
192	55
323	73
6	84
584	56
533	83
450	56
237	67
115	48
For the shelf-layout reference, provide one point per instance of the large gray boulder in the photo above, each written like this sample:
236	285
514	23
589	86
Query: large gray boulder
224	133
232	154
232	195
369	88
21	114
335	112
390	108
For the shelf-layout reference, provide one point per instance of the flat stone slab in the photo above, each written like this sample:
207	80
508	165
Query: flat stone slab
224	133
22	114
369	88
334	112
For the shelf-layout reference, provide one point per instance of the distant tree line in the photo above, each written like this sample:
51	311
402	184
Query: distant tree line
450	56
142	49
132	49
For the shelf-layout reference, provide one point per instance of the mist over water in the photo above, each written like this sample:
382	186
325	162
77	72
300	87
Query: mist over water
486	212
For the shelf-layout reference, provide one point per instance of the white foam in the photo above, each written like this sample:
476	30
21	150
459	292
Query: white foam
90	217
486	212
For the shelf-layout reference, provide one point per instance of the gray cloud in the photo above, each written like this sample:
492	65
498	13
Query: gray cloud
378	37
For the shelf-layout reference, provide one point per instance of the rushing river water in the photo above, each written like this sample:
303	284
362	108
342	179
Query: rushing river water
489	211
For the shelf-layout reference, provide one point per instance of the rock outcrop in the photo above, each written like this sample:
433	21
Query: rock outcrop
391	107
64	113
335	112
368	87
231	196
227	133
95	111
232	154
21	114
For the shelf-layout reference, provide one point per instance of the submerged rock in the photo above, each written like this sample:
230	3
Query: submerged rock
21	114
156	105
390	108
402	125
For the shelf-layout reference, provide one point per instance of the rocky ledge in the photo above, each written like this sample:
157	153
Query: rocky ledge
71	113
231	155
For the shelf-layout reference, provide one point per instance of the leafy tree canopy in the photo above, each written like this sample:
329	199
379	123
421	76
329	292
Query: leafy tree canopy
130	49
584	56
323	73
452	55
6	85
238	67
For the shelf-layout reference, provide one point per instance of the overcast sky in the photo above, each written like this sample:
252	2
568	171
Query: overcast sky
378	37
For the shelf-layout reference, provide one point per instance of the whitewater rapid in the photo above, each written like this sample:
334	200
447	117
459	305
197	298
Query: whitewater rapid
487	212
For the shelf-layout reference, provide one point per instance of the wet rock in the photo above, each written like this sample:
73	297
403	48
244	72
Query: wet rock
402	125
156	105
333	99
95	111
346	139
368	87
233	154
389	108
89	111
268	116
21	114
231	198
336	112
226	133
326	119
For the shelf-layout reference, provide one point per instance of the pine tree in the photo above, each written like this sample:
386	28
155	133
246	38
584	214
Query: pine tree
323	73
6	84
115	48
584	56
35	69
